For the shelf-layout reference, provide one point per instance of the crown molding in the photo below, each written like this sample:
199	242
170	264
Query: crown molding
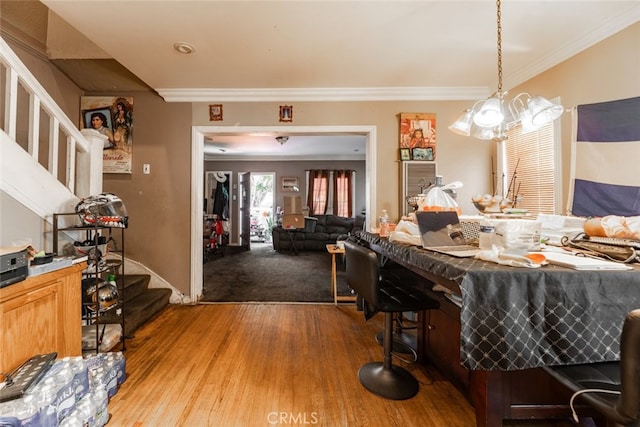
324	94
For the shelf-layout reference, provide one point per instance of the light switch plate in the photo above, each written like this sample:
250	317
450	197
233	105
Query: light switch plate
146	169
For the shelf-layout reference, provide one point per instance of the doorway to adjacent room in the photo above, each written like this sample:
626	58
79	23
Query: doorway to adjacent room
262	206
197	170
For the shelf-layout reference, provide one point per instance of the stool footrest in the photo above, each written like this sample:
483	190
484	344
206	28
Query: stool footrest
396	383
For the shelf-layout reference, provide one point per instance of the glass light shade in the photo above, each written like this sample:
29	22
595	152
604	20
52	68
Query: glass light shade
483	133
462	126
490	114
525	121
543	111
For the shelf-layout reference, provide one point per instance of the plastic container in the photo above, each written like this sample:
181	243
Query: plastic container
384	224
486	234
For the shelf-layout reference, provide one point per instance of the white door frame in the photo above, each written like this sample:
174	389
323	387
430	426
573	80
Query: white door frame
197	171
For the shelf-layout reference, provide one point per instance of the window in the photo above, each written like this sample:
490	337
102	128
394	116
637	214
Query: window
318	192
331	192
343	193
530	166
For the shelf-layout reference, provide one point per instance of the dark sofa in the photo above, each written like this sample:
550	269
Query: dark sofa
319	231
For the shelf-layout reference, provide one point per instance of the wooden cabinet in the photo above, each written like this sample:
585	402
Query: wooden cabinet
442	340
41	314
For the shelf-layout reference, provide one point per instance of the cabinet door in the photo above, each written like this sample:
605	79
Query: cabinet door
31	318
40	315
442	341
417	176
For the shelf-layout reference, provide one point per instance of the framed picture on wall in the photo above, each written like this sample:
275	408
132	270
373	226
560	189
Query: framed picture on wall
215	112
418	130
290	183
422	153
286	113
405	154
112	117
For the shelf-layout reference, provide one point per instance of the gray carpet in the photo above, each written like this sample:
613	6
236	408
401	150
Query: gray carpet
264	275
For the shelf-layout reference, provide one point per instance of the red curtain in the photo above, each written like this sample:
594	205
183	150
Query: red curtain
342	194
318	191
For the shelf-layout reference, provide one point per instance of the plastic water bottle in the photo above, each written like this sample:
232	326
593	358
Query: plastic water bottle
384	224
486	235
100	401
112	279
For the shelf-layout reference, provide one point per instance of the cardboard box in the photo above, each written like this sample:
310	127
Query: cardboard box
292	205
292	221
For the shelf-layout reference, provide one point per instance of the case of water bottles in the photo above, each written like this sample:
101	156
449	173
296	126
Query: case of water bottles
75	391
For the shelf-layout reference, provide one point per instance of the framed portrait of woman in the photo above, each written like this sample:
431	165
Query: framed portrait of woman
112	117
418	130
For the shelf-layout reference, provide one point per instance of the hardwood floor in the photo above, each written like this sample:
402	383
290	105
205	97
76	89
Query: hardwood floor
270	364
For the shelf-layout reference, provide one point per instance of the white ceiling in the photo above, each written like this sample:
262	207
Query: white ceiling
288	51
299	146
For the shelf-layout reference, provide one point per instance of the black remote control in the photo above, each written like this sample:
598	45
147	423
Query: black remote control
29	373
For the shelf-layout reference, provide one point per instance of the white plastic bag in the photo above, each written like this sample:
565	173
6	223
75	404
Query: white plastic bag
437	200
406	232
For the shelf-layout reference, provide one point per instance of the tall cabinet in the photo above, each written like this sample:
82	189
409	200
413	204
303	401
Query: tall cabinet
96	242
417	176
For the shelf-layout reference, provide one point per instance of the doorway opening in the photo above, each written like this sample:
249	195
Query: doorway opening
262	206
197	166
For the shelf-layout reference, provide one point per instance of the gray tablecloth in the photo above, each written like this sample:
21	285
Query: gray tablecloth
516	318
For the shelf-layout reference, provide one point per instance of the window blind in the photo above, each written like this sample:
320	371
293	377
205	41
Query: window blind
534	155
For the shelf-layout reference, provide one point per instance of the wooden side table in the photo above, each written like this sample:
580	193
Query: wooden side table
334	250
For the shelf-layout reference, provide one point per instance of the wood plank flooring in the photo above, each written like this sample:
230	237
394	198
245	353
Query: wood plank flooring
251	365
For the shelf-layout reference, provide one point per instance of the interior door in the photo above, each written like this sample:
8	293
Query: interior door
245	210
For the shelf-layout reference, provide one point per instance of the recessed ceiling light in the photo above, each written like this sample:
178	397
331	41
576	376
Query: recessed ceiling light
184	47
222	150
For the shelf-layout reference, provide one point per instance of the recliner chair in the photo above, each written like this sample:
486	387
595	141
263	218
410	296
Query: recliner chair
382	295
612	388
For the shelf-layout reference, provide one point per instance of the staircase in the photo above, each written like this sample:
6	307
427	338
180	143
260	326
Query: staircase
141	303
70	170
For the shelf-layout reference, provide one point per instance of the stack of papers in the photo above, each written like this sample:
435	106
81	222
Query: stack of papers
582	262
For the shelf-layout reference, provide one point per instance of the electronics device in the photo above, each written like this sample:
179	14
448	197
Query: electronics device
14	267
440	231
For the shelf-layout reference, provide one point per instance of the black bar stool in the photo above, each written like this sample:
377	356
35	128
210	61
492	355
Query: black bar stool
382	295
612	388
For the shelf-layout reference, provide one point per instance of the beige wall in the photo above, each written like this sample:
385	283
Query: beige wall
475	174
159	203
608	71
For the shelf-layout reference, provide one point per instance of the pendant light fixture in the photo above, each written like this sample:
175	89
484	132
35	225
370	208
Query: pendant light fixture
489	119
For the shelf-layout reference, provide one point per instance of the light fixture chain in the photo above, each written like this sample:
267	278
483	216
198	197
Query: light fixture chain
487	118
499	47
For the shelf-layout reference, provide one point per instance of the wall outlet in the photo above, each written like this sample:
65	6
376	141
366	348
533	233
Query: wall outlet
146	169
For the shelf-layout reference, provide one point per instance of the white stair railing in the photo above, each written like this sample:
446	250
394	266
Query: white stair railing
33	121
